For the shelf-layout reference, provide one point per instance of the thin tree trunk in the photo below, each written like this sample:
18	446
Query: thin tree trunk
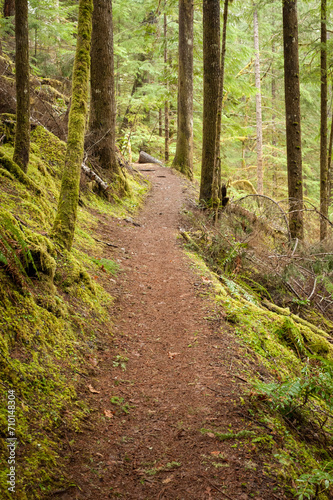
273	88
160	126
216	187
166	104
293	117
323	125
211	63
183	160
329	161
102	121
22	134
260	178
64	224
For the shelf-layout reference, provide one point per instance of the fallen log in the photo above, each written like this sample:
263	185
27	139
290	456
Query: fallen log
91	174
146	158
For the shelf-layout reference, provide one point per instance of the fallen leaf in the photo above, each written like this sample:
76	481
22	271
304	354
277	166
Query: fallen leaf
108	413
91	389
210	435
168	479
215	453
171	355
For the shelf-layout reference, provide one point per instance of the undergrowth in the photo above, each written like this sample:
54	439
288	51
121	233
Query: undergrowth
294	397
51	309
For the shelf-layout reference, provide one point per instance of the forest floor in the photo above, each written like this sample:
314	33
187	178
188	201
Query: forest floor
183	374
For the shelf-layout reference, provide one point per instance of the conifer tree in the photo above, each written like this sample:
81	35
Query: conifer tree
293	117
324	191
183	160
64	224
211	61
22	134
102	121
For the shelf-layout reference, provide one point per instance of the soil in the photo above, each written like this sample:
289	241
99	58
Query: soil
183	374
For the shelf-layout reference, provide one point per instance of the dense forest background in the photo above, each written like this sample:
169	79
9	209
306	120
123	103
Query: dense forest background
146	60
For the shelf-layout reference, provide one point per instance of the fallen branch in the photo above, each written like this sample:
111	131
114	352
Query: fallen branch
91	174
106	243
297	319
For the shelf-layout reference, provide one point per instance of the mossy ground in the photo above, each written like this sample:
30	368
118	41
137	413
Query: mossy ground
51	309
283	347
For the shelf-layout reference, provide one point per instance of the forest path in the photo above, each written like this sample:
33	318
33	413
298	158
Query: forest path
179	377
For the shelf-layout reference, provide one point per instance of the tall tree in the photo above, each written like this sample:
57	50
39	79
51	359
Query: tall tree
293	117
216	187
260	178
183	160
64	224
22	134
324	191
102	120
211	64
166	103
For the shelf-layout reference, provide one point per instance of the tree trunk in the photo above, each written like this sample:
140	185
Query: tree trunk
324	192
293	117
22	134
9	8
183	160
166	104
260	180
217	183
211	63
274	142
329	164
64	224
102	122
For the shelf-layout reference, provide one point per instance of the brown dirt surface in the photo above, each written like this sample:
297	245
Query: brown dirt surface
184	373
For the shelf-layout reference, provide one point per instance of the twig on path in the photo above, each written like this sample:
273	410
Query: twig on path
240	378
215	487
106	243
161	493
219	393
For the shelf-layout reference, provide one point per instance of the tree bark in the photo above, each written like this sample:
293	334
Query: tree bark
9	8
102	120
22	134
64	224
260	179
217	181
274	141
293	117
211	63
166	104
183	160
324	192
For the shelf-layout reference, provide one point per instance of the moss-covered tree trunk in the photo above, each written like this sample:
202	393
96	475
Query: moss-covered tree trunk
183	160
211	63
324	191
22	134
64	224
166	103
102	122
293	117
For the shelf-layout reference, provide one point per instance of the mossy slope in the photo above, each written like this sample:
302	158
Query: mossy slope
50	311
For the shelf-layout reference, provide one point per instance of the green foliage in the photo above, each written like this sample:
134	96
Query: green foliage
313	484
121	361
108	265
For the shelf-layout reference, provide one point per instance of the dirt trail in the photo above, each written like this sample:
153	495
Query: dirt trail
179	377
